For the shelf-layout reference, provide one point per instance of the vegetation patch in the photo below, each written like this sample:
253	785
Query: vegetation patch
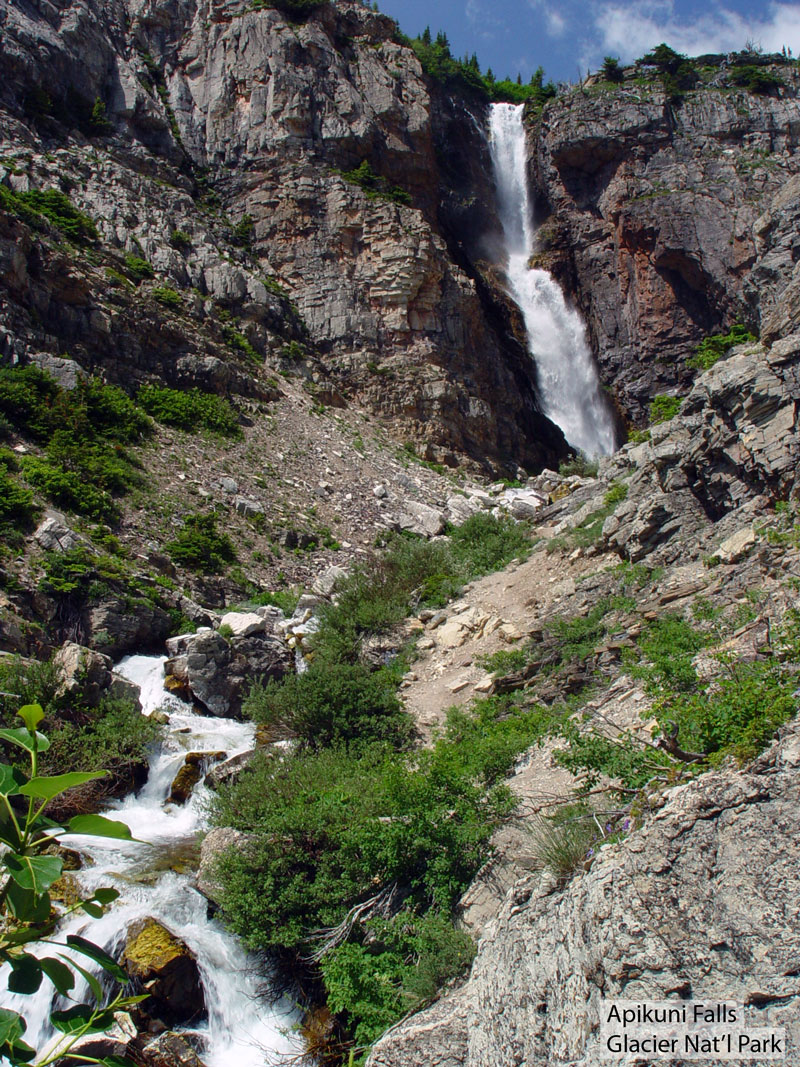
200	546
189	409
714	348
374	185
83	431
51	204
663	408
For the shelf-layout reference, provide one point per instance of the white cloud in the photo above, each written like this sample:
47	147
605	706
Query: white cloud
631	29
555	22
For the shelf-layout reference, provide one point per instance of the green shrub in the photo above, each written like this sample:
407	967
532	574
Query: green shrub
563	843
580	465
374	185
98	118
349	826
663	408
51	204
238	340
69	489
17	509
180	239
138	269
712	349
168	297
294	8
336	703
756	79
404	964
189	409
200	547
611	70
244	231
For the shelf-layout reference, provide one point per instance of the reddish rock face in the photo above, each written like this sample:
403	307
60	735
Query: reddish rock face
654	219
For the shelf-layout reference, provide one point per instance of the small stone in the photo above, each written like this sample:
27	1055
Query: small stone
379	491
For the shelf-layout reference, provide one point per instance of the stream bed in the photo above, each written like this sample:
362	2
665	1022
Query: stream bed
155	878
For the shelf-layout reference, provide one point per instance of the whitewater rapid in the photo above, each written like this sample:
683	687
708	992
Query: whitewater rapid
569	388
242	1027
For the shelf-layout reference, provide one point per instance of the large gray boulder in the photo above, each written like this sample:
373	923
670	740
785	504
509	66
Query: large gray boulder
216	673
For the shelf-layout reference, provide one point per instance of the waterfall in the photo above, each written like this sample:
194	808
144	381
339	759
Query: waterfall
242	1027
569	389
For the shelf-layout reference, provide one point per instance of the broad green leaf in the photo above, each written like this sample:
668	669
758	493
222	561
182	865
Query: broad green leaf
35	873
11	778
27	906
117	1061
59	974
22	1053
105	895
23	739
31	715
95	910
99	826
94	985
12	1026
8	831
26	974
82	1020
45	788
86	948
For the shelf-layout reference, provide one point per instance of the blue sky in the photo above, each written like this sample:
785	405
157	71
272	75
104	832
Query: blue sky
569	36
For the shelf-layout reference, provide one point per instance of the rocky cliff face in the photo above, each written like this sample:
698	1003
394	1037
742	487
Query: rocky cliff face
217	115
661	217
700	904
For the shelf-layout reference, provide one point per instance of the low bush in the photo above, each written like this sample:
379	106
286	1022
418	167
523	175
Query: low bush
200	546
756	80
180	239
189	409
404	962
167	297
17	509
83	430
337	703
712	349
663	408
374	185
350	826
137	268
50	204
563	842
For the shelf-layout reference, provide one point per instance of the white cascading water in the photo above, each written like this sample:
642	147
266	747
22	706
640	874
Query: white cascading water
569	389
242	1029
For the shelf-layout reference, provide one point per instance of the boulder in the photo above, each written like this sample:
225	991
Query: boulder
86	675
165	968
217	673
63	370
116	1041
325	583
421	519
170	1050
54	535
193	769
115	629
228	769
215	843
243	623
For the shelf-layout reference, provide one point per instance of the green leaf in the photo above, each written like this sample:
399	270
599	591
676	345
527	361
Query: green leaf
86	948
22	1053
27	906
82	1020
99	826
12	1026
23	739
9	834
26	974
31	715
105	895
95	910
117	1061
35	873
94	985
45	788
11	778
59	974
